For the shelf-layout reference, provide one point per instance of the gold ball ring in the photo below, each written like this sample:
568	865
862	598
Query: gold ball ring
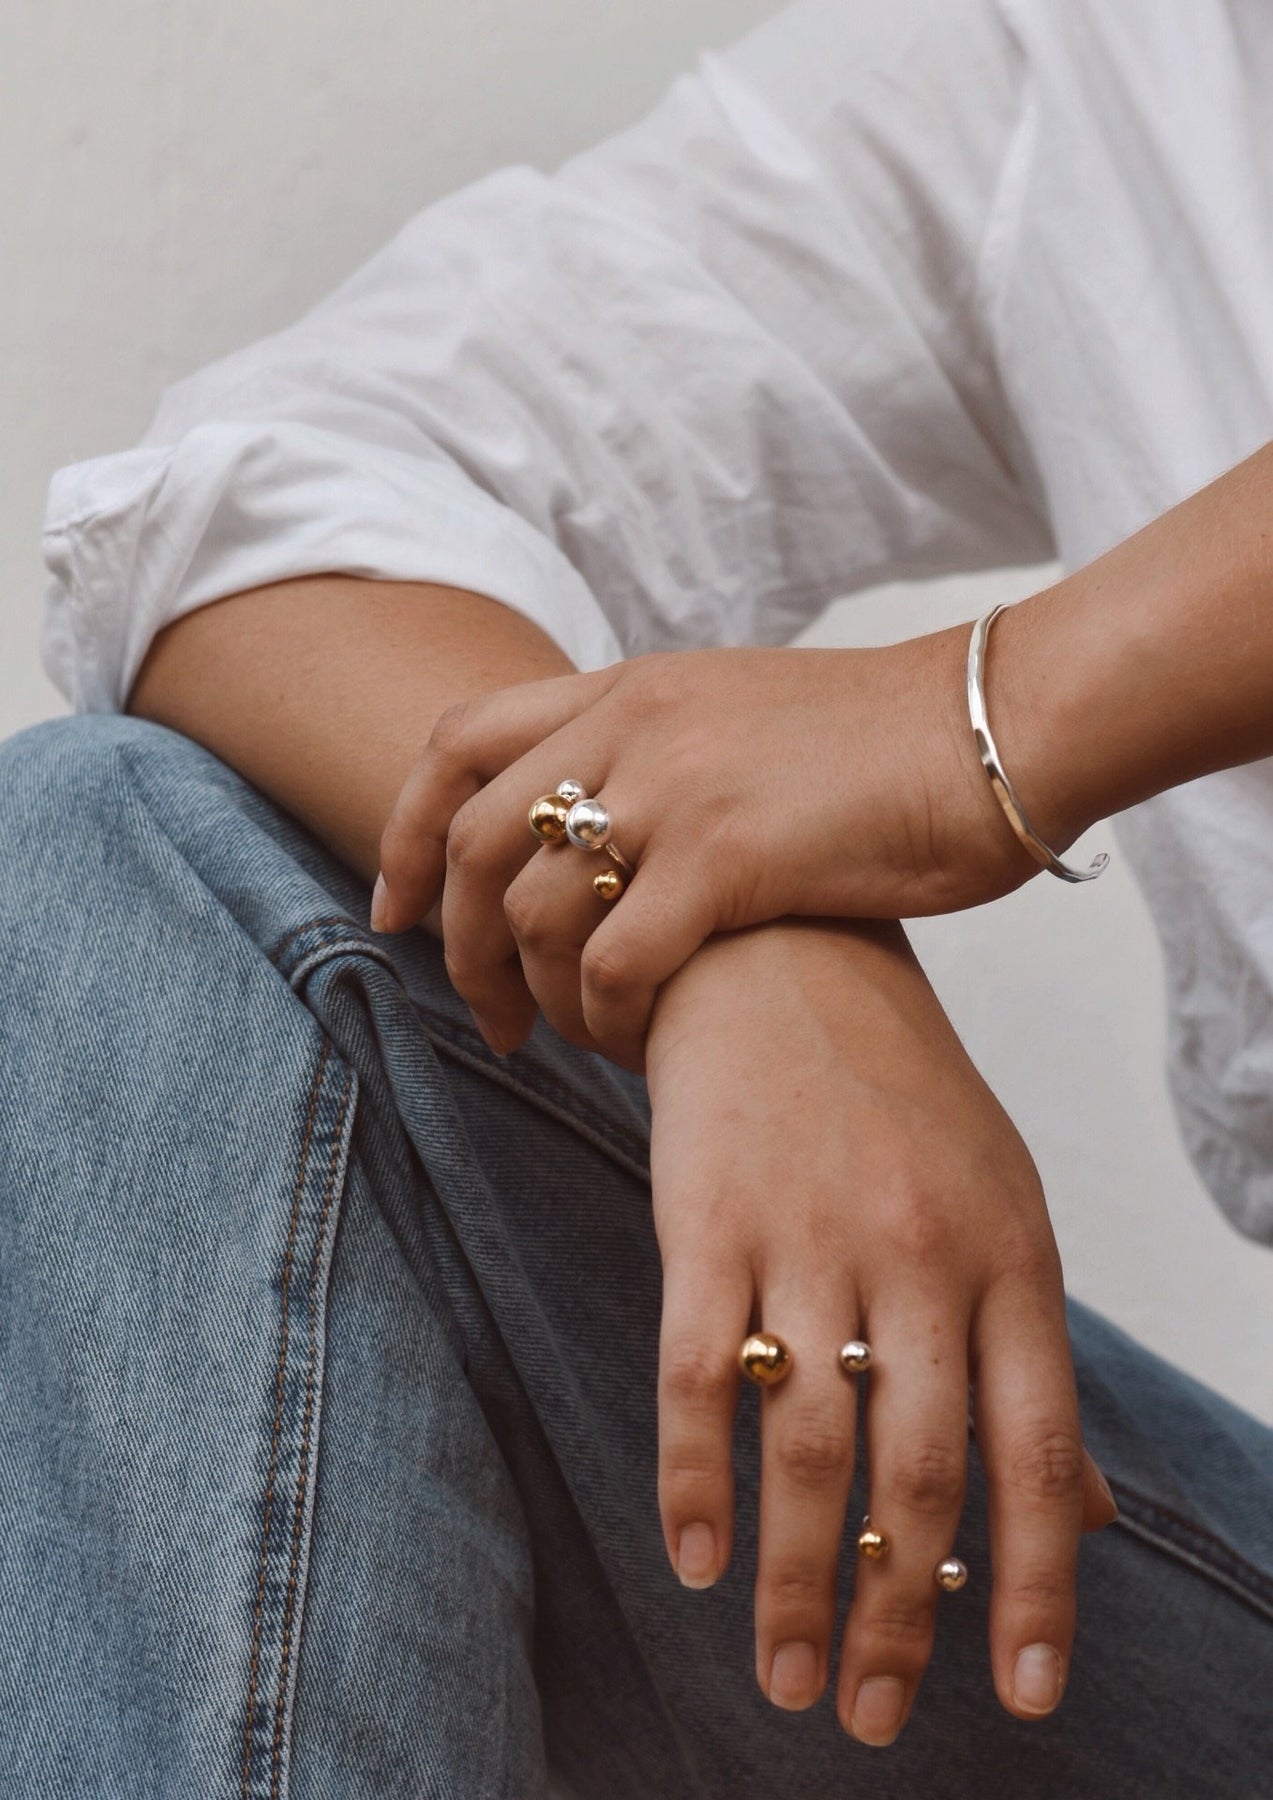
764	1359
950	1574
547	818
548	814
872	1544
611	882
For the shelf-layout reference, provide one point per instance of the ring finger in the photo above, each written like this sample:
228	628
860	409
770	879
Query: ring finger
490	846
552	908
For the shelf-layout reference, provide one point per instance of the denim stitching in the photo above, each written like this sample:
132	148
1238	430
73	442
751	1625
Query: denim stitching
325	952
279	1382
535	1092
302	1482
1194	1545
323	922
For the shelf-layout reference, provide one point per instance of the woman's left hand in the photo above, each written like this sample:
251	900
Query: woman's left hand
743	784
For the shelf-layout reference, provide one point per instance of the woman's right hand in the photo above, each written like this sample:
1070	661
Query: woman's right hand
828	1165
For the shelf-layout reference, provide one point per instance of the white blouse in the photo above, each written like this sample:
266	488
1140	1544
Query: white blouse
892	287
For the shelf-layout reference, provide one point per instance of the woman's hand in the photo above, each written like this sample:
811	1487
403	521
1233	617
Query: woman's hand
744	785
828	1165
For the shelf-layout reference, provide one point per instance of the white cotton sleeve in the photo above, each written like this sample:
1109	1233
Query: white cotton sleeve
700	381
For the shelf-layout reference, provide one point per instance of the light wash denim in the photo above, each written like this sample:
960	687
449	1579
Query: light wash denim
328	1343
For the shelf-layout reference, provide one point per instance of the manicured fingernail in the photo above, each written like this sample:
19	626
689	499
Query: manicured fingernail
1036	1678
793	1676
378	904
696	1556
877	1711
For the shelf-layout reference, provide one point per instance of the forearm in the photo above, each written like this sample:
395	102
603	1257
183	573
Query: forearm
323	691
1150	667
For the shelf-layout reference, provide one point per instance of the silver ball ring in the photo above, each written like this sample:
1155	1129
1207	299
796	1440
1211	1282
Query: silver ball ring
588	825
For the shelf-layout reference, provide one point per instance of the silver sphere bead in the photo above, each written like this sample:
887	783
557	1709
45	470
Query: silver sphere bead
856	1357
570	791
951	1574
588	824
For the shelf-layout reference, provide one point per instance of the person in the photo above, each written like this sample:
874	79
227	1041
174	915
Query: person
373	1349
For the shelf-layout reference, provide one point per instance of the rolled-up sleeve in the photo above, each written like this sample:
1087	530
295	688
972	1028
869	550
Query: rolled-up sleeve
728	365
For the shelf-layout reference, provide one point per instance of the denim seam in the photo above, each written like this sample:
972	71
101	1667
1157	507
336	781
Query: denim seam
1194	1545
534	1093
306	1447
325	952
552	1098
280	1373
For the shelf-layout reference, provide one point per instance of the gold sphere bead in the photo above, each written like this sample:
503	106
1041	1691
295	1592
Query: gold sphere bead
548	818
951	1574
855	1357
764	1358
609	884
872	1544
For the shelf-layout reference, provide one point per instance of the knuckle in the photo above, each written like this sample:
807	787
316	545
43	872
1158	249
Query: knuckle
651	687
815	1450
1045	1590
797	1588
527	920
1024	1257
920	1232
688	1467
930	1480
605	973
1048	1466
696	1375
690	1484
903	1629
465	841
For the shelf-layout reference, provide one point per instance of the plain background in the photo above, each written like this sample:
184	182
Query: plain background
183	176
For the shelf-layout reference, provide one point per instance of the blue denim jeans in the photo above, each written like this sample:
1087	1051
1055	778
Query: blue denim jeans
328	1346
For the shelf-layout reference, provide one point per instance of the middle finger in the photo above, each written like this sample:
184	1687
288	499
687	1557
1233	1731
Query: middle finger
807	1426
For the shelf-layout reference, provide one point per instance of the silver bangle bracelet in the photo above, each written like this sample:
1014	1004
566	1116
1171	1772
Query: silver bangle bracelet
988	751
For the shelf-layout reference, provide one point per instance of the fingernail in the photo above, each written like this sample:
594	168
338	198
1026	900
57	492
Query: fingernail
378	904
1036	1678
491	1037
696	1556
877	1711
793	1676
1108	1493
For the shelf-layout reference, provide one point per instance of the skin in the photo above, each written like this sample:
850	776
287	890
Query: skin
854	789
854	1218
907	1194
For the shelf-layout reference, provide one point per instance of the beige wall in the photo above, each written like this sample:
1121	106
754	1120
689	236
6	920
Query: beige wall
181	176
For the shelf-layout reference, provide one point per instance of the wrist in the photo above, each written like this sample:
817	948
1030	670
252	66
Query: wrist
1148	667
1047	678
